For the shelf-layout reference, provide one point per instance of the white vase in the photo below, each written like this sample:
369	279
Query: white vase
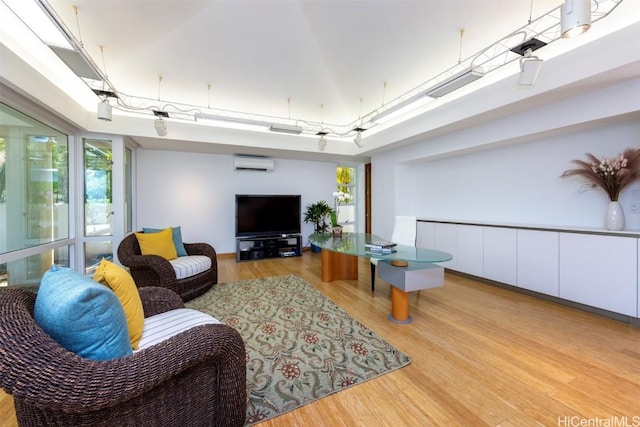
614	219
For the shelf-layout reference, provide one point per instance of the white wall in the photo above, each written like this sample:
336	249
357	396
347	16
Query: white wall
520	183
491	173
197	192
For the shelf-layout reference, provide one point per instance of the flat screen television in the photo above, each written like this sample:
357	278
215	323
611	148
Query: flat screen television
267	215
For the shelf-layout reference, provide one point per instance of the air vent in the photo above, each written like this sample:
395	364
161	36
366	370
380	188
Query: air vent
261	164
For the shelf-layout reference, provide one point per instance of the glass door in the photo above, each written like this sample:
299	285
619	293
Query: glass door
128	190
103	208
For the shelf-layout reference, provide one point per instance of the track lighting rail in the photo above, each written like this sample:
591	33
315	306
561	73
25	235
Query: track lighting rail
544	30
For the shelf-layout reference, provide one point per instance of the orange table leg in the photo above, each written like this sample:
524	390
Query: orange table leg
399	306
337	266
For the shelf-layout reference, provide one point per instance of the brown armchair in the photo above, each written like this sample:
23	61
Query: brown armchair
196	378
153	270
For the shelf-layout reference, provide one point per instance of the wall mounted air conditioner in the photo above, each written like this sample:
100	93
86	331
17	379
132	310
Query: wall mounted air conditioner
262	164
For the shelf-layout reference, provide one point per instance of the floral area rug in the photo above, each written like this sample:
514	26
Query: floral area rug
300	345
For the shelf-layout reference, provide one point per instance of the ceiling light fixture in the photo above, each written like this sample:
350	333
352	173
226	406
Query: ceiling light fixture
575	17
359	129
161	127
322	142
530	67
399	109
296	130
284	128
160	124
231	122
358	139
454	82
104	110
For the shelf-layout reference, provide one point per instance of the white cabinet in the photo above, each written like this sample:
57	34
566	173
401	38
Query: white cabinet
537	266
425	235
445	239
596	269
469	249
500	254
600	271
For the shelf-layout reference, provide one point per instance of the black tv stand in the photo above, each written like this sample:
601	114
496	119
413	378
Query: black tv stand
262	247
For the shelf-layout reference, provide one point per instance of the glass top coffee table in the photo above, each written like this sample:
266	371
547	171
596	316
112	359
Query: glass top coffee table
407	269
354	244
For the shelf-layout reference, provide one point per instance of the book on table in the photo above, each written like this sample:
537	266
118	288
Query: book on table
382	251
380	245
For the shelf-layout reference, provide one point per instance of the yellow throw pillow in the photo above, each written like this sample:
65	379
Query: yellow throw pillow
122	284
160	243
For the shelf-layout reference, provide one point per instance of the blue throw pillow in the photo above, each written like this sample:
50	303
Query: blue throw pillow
176	235
82	315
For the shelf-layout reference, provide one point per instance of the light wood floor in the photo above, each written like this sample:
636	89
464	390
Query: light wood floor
482	355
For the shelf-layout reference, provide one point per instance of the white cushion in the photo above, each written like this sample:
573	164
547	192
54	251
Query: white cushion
163	326
187	266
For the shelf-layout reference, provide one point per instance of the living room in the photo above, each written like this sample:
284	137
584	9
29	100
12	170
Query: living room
491	158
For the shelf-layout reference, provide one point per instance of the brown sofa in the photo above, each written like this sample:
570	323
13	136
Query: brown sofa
153	270
196	378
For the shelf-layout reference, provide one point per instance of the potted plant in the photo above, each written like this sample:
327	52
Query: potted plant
336	228
317	213
339	197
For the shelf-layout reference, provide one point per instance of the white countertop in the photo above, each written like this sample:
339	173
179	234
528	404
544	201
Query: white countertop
566	229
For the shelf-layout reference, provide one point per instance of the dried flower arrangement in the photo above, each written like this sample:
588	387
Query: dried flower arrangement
610	174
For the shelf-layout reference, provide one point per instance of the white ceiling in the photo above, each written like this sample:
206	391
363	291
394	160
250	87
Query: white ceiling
286	58
258	54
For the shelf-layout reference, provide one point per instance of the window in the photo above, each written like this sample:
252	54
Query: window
346	183
34	198
62	195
